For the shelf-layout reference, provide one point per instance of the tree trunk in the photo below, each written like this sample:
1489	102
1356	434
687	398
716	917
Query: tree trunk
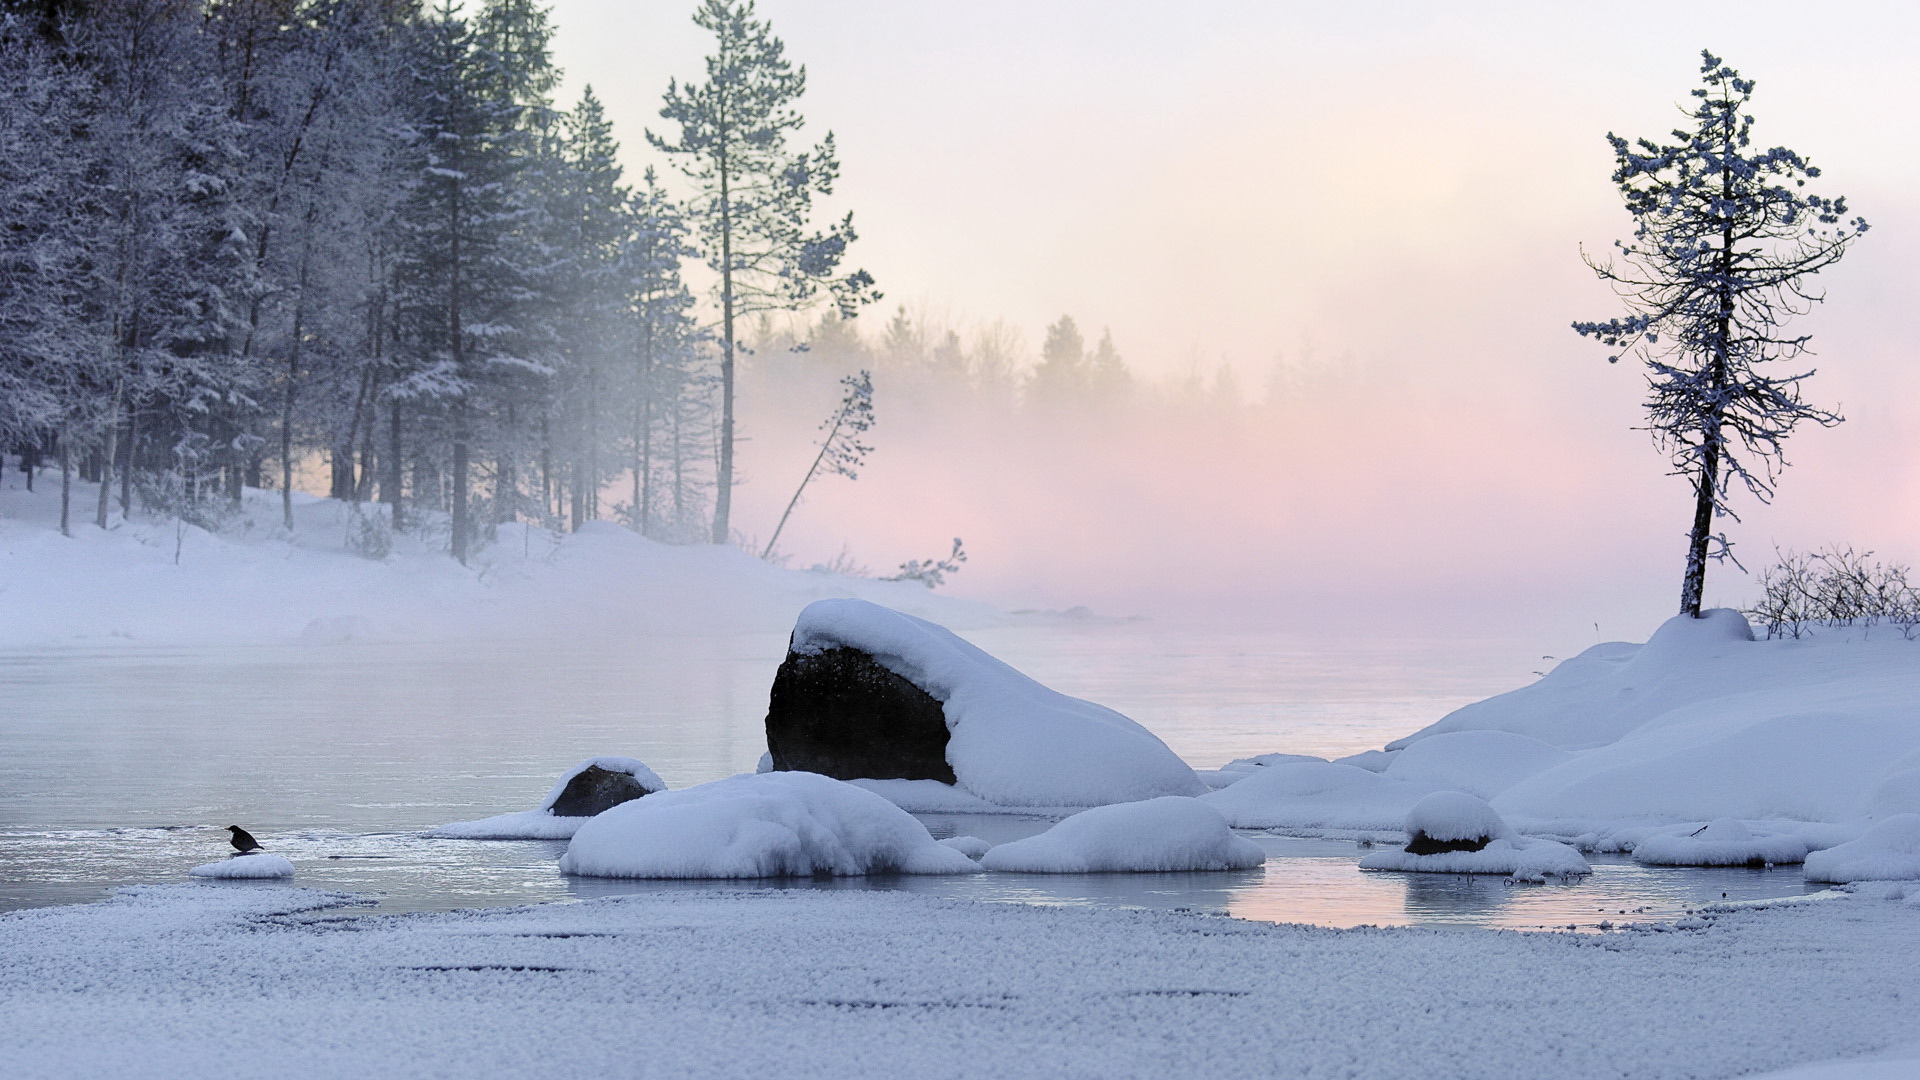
723	480
106	459
390	490
126	471
66	483
1693	585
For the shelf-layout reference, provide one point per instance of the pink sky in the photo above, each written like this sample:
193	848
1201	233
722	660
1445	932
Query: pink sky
1405	186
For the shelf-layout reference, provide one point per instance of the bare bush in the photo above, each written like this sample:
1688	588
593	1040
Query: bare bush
1835	587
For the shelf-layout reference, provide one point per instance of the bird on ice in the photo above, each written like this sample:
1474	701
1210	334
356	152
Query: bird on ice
243	841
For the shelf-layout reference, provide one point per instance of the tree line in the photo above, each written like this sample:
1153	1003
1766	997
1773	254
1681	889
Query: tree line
235	234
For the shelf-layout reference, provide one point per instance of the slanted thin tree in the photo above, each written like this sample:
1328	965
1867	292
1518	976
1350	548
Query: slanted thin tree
1725	239
841	452
755	195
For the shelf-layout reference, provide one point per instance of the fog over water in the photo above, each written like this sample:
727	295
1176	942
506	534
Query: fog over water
1373	219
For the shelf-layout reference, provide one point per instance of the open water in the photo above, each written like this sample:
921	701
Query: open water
122	765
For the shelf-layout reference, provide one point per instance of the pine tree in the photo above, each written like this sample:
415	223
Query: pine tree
754	195
1724	240
665	385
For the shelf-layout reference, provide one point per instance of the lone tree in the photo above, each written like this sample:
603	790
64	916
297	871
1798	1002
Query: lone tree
754	195
1724	241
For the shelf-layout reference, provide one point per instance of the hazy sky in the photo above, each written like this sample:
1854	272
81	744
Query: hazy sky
1394	193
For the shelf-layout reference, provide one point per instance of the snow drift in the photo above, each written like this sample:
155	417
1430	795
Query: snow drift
1169	833
1888	851
779	824
1722	842
1011	741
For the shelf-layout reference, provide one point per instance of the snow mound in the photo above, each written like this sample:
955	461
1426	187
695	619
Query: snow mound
1522	858
1011	740
543	823
242	867
971	846
1482	763
1169	833
1240	768
1455	815
1324	795
780	824
1897	794
1722	842
1887	851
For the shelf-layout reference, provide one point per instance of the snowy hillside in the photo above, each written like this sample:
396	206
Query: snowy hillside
151	581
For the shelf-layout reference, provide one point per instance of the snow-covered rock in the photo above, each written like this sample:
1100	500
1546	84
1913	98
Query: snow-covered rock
239	867
1240	768
591	787
1452	832
1888	851
1722	842
1168	833
778	824
1010	740
1320	796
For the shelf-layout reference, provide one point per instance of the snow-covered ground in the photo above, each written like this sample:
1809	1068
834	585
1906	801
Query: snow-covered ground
217	980
1803	742
255	583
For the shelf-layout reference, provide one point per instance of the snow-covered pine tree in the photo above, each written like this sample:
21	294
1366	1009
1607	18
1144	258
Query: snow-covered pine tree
1725	238
754	195
456	280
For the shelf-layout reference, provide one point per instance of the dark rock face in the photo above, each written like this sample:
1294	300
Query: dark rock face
840	713
595	789
1422	844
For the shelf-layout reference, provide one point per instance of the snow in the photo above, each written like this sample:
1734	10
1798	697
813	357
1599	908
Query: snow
779	824
828	985
1888	851
255	583
1800	739
1522	858
1454	815
971	846
1168	833
241	867
542	823
1011	741
1722	842
1324	797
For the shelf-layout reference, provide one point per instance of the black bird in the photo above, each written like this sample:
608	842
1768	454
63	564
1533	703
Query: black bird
243	841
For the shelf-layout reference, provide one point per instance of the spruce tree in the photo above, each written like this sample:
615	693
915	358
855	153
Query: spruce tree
1725	238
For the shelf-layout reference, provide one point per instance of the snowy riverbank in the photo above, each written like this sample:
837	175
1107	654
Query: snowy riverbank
222	980
149	581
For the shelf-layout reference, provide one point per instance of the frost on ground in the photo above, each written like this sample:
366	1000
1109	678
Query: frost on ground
176	982
1803	742
244	867
1168	833
1011	741
551	820
778	824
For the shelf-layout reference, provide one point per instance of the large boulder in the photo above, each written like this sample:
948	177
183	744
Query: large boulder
870	693
840	713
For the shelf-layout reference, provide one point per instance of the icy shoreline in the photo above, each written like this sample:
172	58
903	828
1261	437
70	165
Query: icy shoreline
192	980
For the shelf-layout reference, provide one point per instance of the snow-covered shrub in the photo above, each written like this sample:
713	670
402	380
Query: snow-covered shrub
369	535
